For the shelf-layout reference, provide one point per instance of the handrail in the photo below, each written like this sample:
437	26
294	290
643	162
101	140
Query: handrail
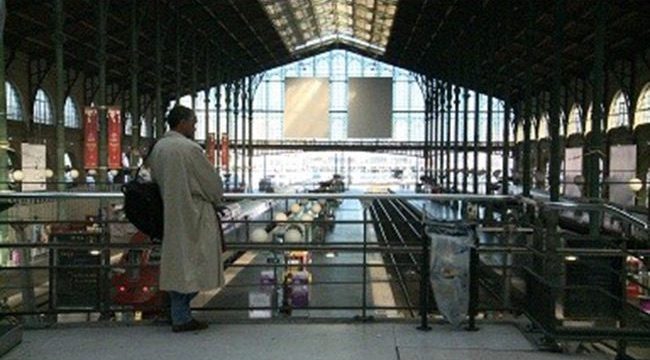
539	196
278	196
605	208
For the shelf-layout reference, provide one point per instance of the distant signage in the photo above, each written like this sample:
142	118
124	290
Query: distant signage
91	149
78	286
114	138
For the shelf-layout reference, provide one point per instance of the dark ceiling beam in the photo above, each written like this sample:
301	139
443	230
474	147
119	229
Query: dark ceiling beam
252	29
450	8
228	31
413	31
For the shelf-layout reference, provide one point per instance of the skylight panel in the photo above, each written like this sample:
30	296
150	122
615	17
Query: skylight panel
305	24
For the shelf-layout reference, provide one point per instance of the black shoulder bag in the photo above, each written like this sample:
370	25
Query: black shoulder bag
143	205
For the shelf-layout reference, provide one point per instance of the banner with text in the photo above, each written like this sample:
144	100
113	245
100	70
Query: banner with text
91	155
114	138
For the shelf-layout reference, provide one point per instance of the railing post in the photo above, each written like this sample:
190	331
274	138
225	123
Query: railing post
621	344
424	281
473	286
26	277
271	214
104	272
247	229
364	285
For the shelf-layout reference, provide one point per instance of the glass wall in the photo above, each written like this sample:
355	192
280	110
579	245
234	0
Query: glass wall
339	66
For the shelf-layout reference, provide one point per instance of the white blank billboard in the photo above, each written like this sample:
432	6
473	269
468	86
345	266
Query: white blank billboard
306	108
622	168
572	168
370	105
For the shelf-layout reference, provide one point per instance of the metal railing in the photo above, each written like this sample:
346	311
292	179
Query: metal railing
582	286
511	266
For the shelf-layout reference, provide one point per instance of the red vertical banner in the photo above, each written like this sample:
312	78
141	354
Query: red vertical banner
210	147
114	138
224	151
91	146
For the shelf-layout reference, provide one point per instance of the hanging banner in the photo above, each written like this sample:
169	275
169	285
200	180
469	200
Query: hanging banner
114	138
224	151
91	157
210	148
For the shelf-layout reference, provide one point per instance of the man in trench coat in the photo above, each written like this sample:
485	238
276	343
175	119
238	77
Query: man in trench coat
190	189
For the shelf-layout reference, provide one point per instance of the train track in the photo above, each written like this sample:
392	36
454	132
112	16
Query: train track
394	222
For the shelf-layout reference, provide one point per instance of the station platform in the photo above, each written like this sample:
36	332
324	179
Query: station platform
333	287
376	341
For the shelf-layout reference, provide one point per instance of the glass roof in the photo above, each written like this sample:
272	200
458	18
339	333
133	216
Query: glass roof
305	24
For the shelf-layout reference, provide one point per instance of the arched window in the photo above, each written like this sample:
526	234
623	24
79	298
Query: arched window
533	124
642	113
145	130
70	114
590	111
575	124
542	131
520	133
618	111
42	108
14	105
128	124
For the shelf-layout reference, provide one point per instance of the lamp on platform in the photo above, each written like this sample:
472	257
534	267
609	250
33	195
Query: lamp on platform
280	217
295	208
316	208
579	180
259	235
635	184
18	175
293	236
74	173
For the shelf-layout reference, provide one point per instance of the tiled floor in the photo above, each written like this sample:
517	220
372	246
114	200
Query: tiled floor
376	341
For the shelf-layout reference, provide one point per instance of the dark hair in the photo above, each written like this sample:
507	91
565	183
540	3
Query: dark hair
178	114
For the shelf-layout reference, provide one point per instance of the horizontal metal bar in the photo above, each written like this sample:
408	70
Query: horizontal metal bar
339	247
347	247
603	208
504	229
264	265
241	196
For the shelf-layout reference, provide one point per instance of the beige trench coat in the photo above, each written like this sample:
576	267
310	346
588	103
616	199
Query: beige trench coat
189	185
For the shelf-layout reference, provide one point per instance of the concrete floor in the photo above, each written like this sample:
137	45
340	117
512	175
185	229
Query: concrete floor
376	341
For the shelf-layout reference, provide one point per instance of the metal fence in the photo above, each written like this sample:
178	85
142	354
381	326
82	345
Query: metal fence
73	253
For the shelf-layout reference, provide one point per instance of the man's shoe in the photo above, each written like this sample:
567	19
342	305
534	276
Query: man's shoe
192	325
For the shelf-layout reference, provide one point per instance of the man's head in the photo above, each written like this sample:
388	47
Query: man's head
182	120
